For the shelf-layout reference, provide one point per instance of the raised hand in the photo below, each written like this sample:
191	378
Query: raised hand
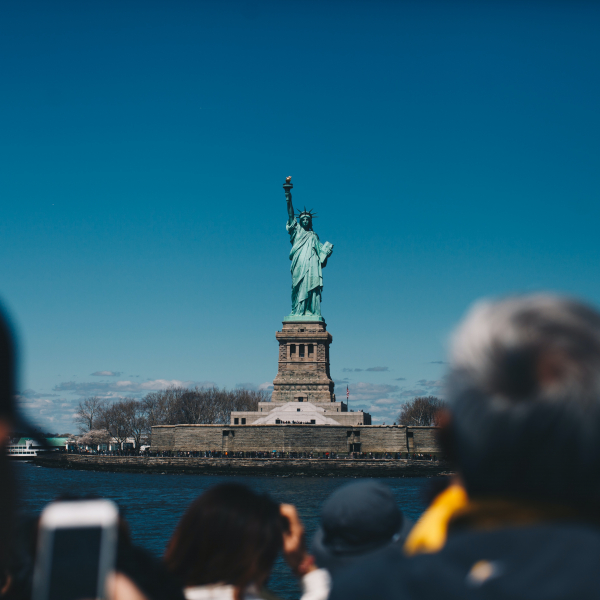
294	543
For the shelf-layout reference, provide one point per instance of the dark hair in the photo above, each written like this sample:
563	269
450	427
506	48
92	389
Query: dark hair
228	535
146	572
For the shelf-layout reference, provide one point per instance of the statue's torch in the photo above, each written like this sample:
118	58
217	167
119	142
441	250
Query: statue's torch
288	185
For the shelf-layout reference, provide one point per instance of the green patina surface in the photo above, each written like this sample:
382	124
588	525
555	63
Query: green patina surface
309	258
303	319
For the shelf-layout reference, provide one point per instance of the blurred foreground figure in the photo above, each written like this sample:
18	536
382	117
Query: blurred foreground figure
17	541
7	415
356	520
522	518
226	543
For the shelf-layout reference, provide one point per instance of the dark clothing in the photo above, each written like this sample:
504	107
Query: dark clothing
148	574
543	561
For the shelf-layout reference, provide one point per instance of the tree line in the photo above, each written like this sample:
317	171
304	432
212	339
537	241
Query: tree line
99	420
422	410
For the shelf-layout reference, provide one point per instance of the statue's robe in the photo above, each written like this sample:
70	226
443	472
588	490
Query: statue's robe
308	258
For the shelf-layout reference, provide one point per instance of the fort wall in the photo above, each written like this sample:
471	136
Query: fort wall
295	438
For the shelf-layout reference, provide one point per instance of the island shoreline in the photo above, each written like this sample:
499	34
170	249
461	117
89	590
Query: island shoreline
274	467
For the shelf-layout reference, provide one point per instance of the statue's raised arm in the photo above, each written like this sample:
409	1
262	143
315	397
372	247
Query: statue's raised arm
287	186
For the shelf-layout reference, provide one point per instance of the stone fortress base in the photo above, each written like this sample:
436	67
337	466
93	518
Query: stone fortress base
303	416
315	439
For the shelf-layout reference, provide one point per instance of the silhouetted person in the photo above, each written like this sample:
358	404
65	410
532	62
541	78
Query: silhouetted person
18	538
7	421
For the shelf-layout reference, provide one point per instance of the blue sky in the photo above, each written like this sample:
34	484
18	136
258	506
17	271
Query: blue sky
451	150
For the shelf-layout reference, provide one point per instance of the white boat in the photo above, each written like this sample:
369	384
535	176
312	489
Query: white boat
24	449
28	448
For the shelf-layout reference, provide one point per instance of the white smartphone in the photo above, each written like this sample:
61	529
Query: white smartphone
76	551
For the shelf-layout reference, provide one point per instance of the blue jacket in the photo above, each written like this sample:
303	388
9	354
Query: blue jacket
538	562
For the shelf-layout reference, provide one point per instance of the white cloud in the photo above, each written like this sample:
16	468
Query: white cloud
31	394
364	391
49	412
246	385
106	374
432	386
267	385
430	383
161	384
114	389
381	400
412	393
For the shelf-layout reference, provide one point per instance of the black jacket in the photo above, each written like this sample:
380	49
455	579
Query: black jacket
545	561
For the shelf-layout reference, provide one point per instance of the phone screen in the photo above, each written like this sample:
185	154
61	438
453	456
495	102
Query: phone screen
74	563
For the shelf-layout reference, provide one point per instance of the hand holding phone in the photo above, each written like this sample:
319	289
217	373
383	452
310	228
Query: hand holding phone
76	552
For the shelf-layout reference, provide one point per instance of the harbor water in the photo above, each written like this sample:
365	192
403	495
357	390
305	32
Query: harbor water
153	503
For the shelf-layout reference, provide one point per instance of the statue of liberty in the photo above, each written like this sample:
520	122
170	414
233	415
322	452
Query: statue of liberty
309	258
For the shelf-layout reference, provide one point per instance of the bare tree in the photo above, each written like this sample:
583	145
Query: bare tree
175	405
195	406
422	410
114	419
88	412
162	407
248	399
136	420
209	405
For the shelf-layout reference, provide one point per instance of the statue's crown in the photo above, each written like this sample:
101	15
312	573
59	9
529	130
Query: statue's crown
307	212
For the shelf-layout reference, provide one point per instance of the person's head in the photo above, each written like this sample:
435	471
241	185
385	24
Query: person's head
228	535
356	519
524	393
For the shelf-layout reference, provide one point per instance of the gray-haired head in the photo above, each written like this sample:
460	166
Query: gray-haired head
542	345
525	395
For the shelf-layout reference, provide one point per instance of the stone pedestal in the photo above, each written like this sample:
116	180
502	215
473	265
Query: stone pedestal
303	374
